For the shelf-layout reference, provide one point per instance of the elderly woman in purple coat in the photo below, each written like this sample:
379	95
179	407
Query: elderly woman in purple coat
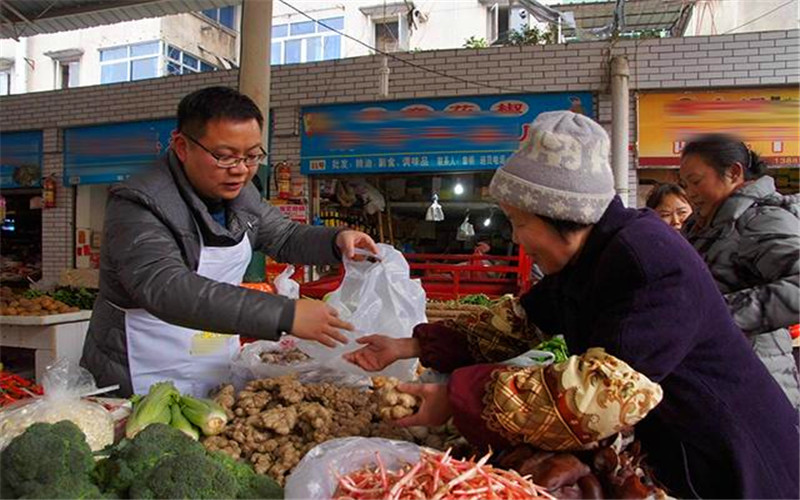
638	308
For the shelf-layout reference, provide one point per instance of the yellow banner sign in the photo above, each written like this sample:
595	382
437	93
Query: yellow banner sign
767	120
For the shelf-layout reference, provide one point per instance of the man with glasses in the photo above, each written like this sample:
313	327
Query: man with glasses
176	245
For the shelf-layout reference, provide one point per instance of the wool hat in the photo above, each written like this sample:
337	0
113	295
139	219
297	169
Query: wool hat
560	171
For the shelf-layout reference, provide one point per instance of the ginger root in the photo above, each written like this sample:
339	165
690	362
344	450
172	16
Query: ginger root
393	404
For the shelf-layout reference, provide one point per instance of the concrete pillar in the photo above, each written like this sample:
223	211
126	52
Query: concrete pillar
254	81
620	125
254	70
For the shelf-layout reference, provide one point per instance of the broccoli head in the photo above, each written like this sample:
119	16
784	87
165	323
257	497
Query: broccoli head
185	476
70	488
251	485
47	461
137	456
260	487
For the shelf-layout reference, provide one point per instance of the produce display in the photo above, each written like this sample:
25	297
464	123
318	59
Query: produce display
437	476
12	304
557	345
54	461
91	418
393	404
276	421
20	269
48	461
164	404
14	388
284	357
82	298
614	470
476	300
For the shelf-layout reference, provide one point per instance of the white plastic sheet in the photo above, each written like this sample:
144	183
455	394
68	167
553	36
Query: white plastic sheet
315	477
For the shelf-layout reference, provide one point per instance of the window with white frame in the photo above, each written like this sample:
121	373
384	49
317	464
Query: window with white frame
66	67
67	74
498	18
306	41
130	62
181	63
391	33
222	15
5	82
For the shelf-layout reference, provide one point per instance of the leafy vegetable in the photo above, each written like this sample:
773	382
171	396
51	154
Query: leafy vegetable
153	408
179	422
557	345
204	413
82	298
477	300
48	461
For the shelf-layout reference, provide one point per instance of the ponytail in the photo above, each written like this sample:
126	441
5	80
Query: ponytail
756	167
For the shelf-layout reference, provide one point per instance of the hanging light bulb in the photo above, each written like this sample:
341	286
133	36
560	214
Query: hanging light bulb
458	189
488	220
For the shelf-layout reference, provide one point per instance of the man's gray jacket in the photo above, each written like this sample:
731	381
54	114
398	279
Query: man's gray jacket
151	247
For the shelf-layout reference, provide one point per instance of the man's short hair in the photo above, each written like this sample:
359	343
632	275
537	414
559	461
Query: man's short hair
212	103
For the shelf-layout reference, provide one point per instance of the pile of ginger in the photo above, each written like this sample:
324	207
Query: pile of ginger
276	421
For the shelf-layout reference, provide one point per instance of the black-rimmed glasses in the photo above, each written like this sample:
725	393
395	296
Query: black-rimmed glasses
230	161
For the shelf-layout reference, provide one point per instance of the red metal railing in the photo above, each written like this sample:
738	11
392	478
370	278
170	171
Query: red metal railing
448	276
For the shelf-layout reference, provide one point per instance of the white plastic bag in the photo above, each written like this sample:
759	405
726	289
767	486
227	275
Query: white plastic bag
532	358
315	477
377	298
435	212
286	286
64	383
249	365
466	230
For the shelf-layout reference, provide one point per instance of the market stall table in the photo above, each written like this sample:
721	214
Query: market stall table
53	336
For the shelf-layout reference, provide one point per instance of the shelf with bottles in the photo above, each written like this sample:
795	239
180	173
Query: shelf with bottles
337	216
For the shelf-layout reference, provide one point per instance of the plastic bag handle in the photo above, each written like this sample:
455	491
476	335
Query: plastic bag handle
371	257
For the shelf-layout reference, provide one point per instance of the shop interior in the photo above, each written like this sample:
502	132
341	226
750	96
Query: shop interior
21	237
398	210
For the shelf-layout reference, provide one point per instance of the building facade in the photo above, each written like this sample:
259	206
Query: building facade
674	65
129	51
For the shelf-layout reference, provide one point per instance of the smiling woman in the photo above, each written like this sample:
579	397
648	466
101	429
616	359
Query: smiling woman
748	235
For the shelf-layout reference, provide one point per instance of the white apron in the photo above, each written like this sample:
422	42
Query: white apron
195	361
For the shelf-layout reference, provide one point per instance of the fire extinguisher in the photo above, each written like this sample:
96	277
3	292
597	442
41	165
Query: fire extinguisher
283	180
49	192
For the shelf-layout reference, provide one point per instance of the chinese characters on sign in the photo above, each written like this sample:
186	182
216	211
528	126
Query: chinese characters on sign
112	153
435	135
765	119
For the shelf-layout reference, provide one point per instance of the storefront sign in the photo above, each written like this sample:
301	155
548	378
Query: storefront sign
766	119
21	159
296	213
426	135
106	154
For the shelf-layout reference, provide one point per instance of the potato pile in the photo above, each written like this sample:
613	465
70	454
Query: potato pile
276	421
13	305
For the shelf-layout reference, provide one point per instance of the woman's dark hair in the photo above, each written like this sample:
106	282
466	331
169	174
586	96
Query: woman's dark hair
721	151
661	191
211	103
564	227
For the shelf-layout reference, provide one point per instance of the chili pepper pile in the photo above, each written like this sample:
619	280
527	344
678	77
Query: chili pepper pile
437	476
13	388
